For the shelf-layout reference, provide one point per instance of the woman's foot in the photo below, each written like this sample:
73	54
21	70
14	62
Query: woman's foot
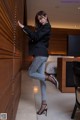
53	80
43	109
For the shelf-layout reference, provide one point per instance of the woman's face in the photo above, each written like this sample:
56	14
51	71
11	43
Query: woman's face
42	19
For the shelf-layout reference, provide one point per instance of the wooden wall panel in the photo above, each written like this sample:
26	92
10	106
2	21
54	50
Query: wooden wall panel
5	74
9	111
6	38
5	98
11	53
58	40
16	66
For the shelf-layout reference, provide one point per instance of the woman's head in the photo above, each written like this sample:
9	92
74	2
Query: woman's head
41	18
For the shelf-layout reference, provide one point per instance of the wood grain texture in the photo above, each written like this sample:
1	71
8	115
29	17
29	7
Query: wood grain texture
11	53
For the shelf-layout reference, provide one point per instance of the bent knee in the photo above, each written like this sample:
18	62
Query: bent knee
30	73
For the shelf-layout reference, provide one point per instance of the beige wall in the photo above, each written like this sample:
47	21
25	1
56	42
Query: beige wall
61	14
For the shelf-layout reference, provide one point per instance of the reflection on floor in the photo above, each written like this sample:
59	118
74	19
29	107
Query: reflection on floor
60	105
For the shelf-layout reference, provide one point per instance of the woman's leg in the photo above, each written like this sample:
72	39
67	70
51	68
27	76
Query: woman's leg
37	70
43	107
36	64
41	70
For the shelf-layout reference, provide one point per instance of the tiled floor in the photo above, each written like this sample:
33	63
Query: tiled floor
60	105
26	109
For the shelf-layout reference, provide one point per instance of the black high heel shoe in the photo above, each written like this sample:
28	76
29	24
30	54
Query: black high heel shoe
43	110
53	80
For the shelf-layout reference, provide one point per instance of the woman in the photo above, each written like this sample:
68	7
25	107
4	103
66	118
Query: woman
38	48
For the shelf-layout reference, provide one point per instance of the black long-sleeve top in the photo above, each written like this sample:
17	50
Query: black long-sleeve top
39	40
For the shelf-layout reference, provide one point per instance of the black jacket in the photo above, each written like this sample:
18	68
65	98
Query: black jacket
38	40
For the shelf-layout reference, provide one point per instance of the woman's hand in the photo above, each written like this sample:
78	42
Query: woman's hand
21	25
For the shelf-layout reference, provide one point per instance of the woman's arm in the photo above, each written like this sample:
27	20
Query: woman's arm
37	35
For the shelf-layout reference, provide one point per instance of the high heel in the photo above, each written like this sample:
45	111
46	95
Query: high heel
43	110
53	80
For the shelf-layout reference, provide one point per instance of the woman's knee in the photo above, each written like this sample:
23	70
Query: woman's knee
30	73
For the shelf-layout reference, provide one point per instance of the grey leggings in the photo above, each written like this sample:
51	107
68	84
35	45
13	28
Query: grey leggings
37	71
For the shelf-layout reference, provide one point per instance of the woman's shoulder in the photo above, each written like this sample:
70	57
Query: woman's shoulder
47	25
43	27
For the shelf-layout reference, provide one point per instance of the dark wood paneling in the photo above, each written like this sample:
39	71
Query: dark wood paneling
5	98
11	52
6	73
16	66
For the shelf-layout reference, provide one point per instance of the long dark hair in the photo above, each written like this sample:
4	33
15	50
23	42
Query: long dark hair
40	13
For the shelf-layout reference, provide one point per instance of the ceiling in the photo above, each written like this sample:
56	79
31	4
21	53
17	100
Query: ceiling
61	13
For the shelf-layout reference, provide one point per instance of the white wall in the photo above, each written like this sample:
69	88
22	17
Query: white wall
62	13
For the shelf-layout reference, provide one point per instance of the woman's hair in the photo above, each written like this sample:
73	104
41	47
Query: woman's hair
40	13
